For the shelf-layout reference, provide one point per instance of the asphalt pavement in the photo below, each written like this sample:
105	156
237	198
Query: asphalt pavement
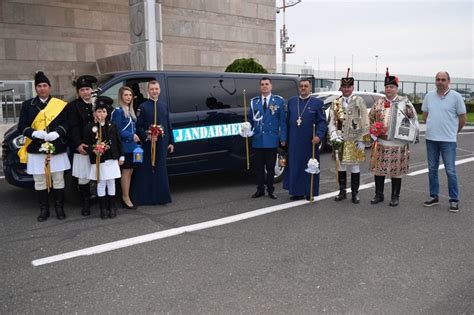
326	257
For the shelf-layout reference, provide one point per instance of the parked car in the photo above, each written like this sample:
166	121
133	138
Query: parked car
206	110
327	97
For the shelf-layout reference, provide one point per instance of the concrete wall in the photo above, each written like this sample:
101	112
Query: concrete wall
61	36
210	34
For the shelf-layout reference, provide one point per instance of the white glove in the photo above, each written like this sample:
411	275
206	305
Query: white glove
53	135
374	137
361	145
246	130
39	134
313	167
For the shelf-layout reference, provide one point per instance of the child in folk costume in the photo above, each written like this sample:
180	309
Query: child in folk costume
106	156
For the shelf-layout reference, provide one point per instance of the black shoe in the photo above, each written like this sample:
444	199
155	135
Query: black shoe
376	199
433	201
355	183
396	187
272	196
342	195
342	186
258	194
44	205
355	198
124	205
111	209
103	207
85	199
379	187
307	198
453	206
295	198
59	203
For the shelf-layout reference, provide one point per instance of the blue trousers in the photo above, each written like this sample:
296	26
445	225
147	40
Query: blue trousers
447	150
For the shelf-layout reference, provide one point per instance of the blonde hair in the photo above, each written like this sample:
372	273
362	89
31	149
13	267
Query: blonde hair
127	108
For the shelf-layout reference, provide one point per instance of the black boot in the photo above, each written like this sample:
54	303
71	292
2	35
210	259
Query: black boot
112	209
59	203
103	207
355	183
85	191
396	187
342	186
379	183
44	205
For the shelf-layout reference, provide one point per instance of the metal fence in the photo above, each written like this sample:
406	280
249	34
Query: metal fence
415	91
8	105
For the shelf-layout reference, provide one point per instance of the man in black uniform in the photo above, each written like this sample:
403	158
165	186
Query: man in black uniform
43	122
80	115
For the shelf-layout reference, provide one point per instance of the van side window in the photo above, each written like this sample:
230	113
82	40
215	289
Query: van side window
188	94
282	87
112	92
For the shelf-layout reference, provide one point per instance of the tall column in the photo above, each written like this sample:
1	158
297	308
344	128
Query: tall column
146	52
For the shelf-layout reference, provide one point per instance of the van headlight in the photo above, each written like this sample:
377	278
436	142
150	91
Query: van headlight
19	141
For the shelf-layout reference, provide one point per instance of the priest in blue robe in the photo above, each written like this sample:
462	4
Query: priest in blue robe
150	184
303	112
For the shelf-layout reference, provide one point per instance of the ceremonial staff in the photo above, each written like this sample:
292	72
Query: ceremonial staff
246	138
312	175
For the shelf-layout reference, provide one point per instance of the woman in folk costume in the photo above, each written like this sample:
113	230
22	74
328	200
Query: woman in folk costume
43	122
389	157
106	156
348	124
123	116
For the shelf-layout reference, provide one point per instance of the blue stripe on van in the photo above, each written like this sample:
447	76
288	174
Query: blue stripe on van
206	132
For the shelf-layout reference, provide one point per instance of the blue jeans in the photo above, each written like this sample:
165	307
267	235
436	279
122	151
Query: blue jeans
447	150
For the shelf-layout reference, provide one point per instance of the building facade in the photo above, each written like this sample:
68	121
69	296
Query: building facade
68	38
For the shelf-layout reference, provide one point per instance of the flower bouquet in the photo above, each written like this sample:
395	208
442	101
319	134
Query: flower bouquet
377	130
47	148
99	148
155	131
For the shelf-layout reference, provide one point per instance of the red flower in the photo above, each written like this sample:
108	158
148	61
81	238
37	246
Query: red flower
386	104
156	130
378	129
100	148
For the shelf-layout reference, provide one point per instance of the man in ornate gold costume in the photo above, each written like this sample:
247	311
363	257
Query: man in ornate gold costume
348	122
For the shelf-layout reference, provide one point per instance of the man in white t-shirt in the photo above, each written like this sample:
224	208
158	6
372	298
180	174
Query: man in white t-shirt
444	112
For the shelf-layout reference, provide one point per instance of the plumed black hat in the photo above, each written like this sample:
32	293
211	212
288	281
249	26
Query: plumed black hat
347	81
390	79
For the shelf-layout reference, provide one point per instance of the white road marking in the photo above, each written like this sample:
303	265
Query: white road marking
200	226
425	170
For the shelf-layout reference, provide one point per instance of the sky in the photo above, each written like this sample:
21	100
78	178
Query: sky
410	37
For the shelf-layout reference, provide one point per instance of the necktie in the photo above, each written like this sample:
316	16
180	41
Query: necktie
264	104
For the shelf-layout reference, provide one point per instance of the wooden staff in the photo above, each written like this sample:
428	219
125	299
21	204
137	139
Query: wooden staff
153	141
246	138
47	159
312	175
97	157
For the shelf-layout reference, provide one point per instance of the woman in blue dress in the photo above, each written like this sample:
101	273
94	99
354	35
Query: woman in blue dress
124	117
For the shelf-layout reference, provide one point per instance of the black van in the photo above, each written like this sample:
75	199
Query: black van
206	110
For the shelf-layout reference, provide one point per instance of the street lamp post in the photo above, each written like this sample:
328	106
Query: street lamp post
284	38
375	83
